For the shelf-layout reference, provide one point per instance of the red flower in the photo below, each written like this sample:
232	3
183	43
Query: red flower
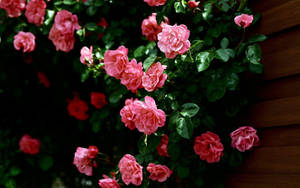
29	145
98	100
193	4
43	79
78	108
162	148
92	151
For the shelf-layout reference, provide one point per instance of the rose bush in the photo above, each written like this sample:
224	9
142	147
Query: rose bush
156	85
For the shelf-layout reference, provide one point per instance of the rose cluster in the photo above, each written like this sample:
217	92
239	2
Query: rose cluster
84	159
142	115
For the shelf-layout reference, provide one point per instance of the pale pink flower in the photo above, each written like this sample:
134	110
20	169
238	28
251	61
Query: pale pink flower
132	76
130	170
83	160
61	42
115	61
244	138
35	11
162	148
108	182
173	40
29	145
148	118
150	28
25	40
66	22
158	172
127	113
154	77
155	2
13	8
209	147
86	55
243	20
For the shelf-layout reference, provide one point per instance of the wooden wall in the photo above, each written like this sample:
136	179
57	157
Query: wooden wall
276	114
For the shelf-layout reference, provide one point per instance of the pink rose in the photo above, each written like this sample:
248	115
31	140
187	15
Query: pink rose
115	61
148	118
29	145
13	8
66	22
98	99
158	172
86	55
209	147
244	138
61	42
173	40
243	20
150	28
155	2
130	170
83	161
132	76
193	4
62	31
25	40
35	11
107	182
127	114
162	148
154	77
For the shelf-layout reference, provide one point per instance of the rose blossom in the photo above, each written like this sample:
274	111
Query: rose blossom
108	182
155	2
244	138
132	76
173	40
130	170
86	55
209	147
83	160
193	4
78	108
127	113
35	11
243	20
150	28
115	61
25	40
62	31
162	148
43	79
29	145
154	77
148	118
98	99
158	172
13	8
92	151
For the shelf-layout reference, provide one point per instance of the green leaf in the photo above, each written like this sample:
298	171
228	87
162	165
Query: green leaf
91	26
49	16
257	38
173	150
189	109
197	45
14	171
148	62
215	92
115	97
224	43
142	145
173	120
46	162
69	2
203	60
140	51
183	172
253	54
224	54
180	6
184	127
256	68
91	11
206	10
11	183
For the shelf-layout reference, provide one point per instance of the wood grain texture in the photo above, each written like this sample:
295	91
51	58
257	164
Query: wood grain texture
284	15
279	112
263	181
281	54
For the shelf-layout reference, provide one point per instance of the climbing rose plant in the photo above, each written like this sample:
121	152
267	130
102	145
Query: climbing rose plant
152	93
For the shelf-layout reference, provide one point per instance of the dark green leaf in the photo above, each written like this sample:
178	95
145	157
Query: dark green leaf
139	51
14	171
189	109
253	54
115	97
91	26
203	60
46	162
206	10
91	11
148	62
183	172
215	92
184	127
224	43
257	38
256	68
